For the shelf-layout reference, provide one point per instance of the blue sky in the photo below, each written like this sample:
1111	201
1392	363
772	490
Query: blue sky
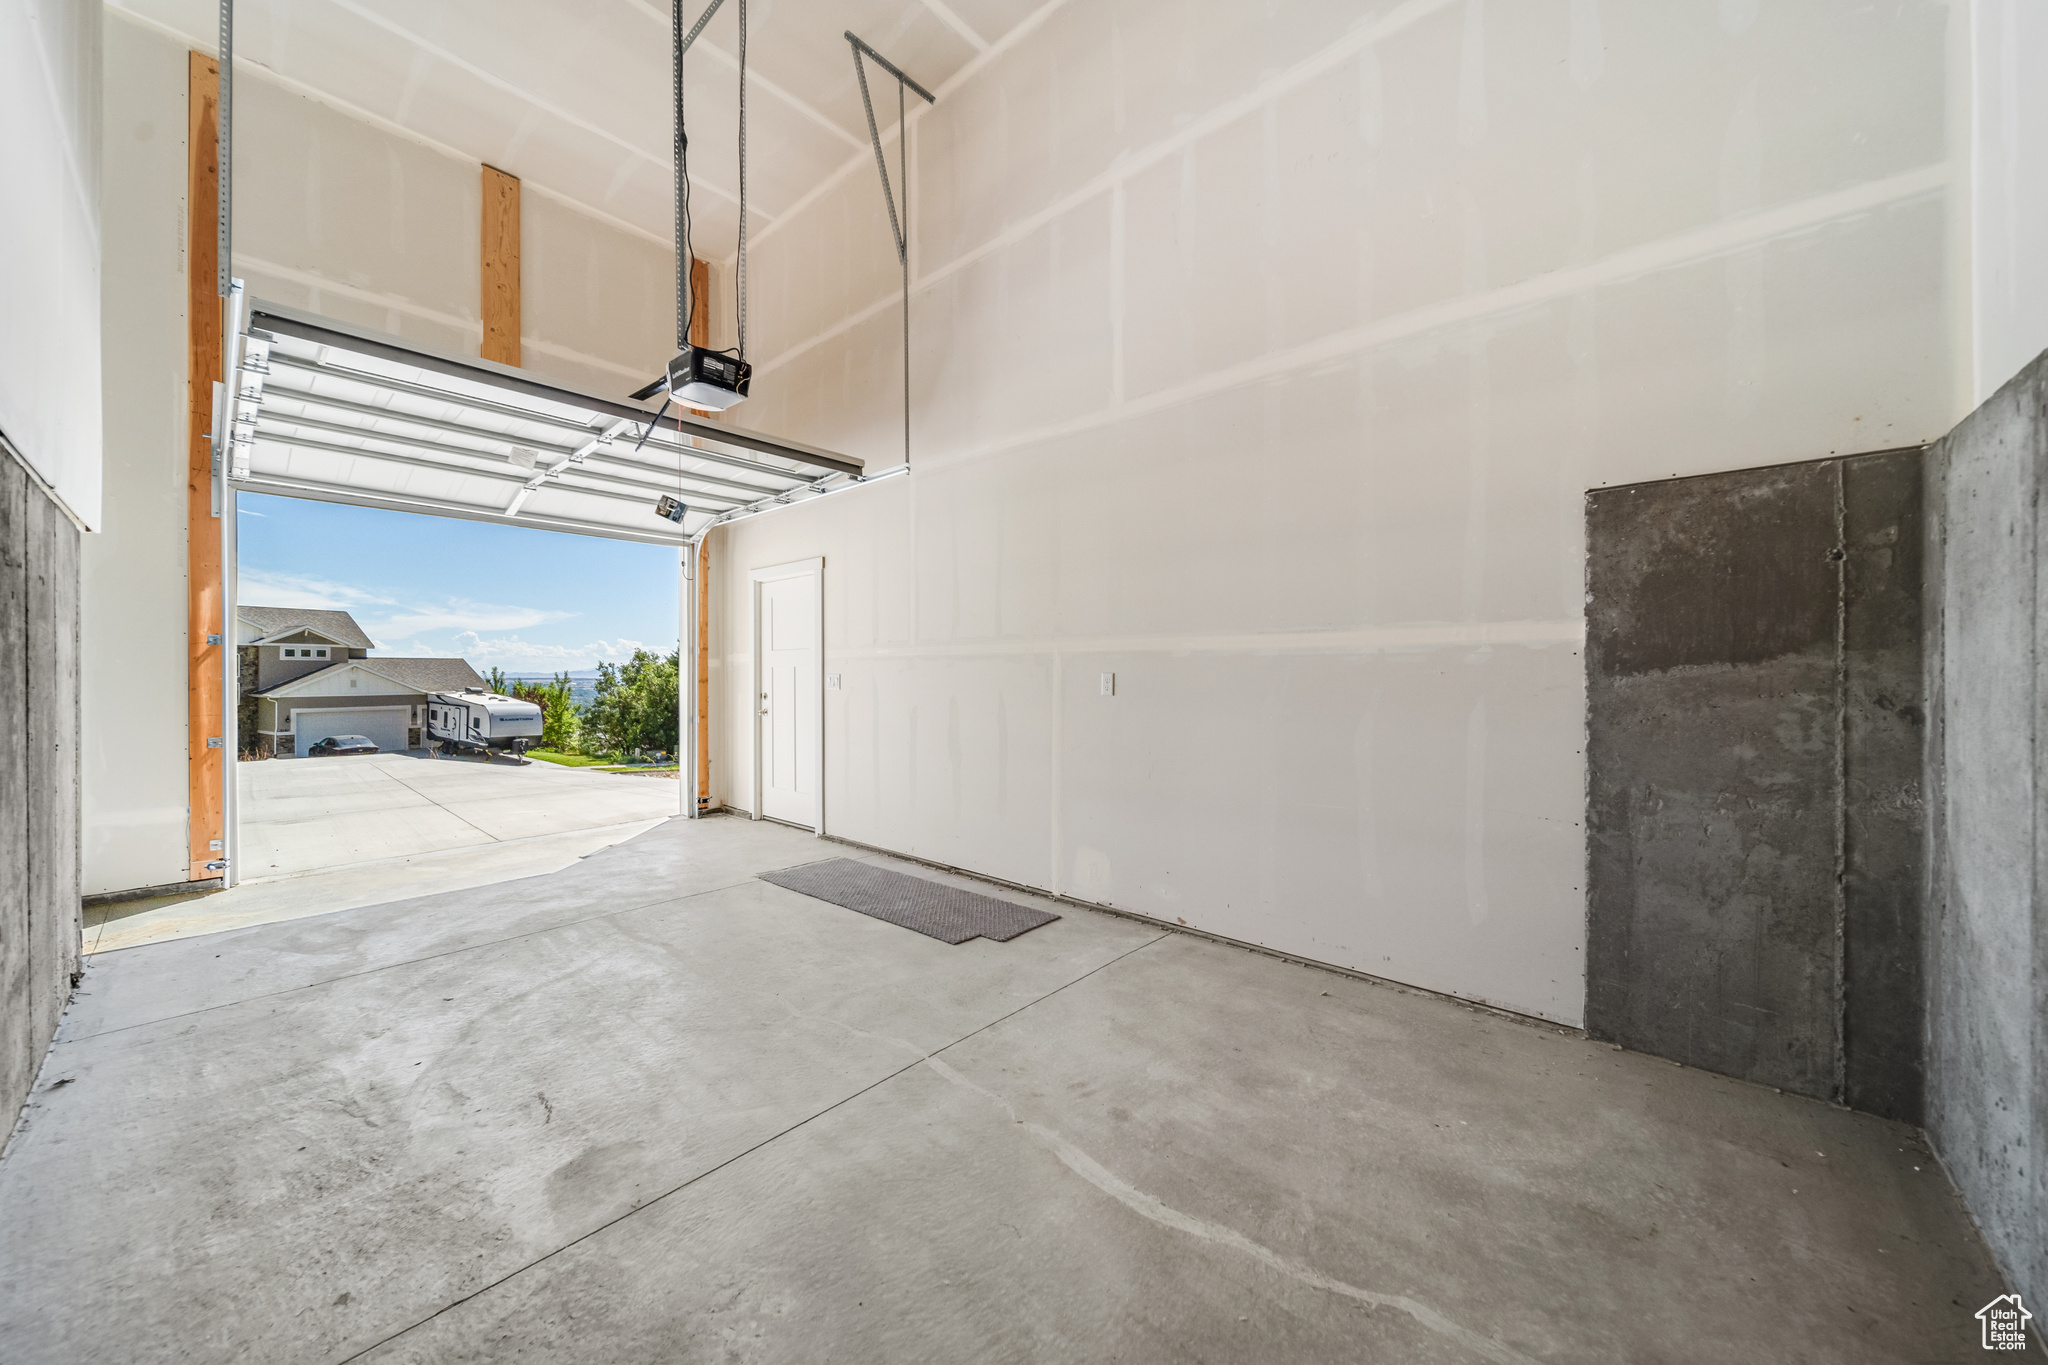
524	601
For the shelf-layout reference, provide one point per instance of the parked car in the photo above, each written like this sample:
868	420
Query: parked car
341	744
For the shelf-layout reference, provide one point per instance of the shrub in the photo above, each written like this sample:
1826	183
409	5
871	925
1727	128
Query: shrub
561	726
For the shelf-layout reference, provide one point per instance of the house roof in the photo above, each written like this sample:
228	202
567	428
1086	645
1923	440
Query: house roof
407	675
337	626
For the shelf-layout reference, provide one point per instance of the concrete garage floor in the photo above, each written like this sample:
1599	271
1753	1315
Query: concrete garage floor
340	833
652	1108
299	815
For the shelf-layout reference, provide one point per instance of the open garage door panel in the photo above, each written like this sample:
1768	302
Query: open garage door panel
384	726
337	413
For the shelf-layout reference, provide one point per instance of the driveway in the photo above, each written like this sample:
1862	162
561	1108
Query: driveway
302	815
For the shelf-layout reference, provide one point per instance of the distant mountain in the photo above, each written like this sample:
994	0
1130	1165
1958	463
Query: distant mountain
582	684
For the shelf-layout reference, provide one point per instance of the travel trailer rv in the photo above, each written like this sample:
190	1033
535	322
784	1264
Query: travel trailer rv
476	721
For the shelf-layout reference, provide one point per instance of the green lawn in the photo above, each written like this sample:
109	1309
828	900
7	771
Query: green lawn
568	760
596	761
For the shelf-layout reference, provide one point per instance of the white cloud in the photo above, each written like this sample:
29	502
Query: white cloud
393	623
471	617
256	588
485	633
524	656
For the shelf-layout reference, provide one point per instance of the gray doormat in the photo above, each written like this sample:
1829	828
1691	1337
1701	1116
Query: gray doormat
935	910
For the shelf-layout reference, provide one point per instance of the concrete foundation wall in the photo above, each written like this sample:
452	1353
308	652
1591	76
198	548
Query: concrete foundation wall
1263	357
39	809
1987	932
1755	727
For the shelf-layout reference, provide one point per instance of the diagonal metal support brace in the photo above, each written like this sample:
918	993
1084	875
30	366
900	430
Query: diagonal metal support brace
698	27
874	134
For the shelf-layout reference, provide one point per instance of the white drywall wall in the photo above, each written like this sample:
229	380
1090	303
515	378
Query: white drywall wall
2008	187
1263	356
50	239
333	213
132	660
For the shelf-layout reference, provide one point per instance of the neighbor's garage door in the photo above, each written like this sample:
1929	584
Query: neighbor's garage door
385	725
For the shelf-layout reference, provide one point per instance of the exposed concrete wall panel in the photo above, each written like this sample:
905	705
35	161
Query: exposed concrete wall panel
1987	939
39	805
1754	807
17	922
1713	748
1884	733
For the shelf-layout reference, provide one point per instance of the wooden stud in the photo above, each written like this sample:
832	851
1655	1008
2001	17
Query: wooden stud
700	303
206	768
500	267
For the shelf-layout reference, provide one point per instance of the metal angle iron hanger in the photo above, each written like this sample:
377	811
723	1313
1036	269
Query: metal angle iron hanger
899	230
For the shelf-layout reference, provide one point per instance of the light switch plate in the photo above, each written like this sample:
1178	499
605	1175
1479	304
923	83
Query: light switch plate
832	681
1109	684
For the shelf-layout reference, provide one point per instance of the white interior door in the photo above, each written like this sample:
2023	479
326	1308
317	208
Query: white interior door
789	695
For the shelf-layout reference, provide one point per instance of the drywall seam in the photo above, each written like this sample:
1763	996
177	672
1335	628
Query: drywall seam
1131	163
1372	639
1024	27
1686	248
403	305
244	65
554	111
1118	244
957	24
754	78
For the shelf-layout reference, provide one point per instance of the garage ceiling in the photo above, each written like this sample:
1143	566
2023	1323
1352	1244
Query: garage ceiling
574	98
343	414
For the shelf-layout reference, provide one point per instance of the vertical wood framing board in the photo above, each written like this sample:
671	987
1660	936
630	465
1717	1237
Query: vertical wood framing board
700	303
204	613
51	637
703	590
18	1065
499	257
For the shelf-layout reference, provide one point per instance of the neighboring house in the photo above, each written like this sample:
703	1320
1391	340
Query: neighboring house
306	675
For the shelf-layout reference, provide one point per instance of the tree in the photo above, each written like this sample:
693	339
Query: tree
497	682
635	706
560	723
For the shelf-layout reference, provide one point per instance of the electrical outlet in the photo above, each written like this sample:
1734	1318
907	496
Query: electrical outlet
1109	684
832	681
